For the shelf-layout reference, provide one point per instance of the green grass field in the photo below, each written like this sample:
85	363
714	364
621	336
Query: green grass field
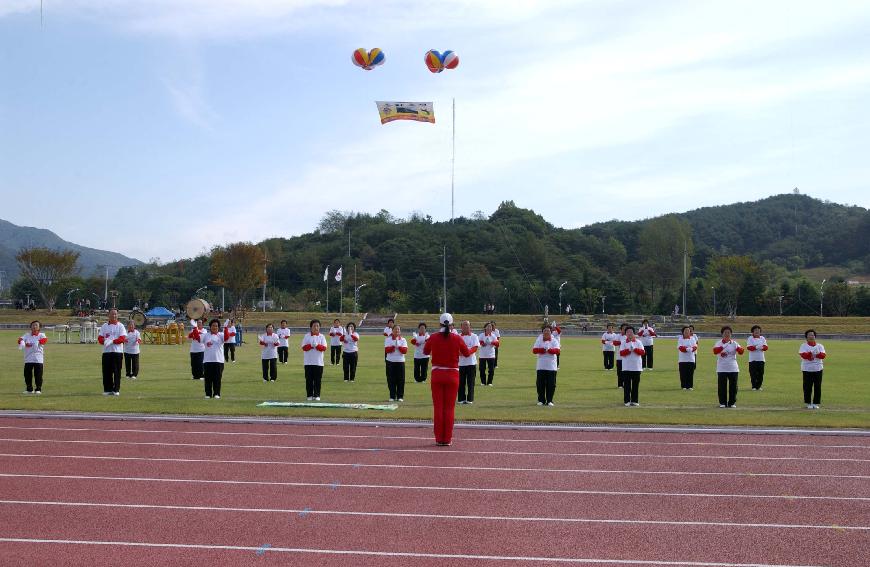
585	392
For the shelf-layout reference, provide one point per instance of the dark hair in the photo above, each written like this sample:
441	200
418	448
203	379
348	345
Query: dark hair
752	330
391	320
546	326
692	327
312	322
445	330
347	327
622	326
493	324
37	321
609	324
283	321
683	330
214	321
806	334
644	321
627	327
334	321
422	325
269	325
722	330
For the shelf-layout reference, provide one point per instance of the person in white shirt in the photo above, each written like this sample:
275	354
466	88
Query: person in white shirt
421	359
697	340
313	346
395	348
617	343
488	344
350	356
607	347
757	346
213	358
557	334
388	330
812	354
497	334
335	333
230	343
131	351
33	345
632	354
467	365
727	369
284	339
686	353
647	335
270	342
112	337
546	349
197	351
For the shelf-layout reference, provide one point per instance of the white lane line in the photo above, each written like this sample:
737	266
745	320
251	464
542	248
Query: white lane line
429	438
434	451
333	486
457	517
366	553
430	467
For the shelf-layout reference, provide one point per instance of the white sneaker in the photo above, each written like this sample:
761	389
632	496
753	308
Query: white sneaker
540	403
391	399
317	398
26	393
116	393
551	404
760	389
39	393
134	377
635	404
218	397
104	393
401	400
721	405
627	404
465	402
208	397
691	388
309	398
733	406
809	406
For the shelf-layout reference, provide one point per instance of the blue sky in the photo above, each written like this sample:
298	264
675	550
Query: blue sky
190	123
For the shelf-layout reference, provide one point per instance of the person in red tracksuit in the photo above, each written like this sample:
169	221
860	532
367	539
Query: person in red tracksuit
445	348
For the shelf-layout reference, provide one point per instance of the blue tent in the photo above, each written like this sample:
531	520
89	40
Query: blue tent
159	312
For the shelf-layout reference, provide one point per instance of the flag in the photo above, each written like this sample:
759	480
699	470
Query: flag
418	111
338	275
326	274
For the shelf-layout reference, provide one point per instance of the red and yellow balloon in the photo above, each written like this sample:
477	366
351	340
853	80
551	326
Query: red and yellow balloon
437	62
368	60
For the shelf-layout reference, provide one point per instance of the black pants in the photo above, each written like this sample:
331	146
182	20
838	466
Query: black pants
230	351
348	364
608	359
630	385
313	378
619	373
196	368
466	383
213	371
687	374
396	379
421	369
33	370
546	384
131	364
270	369
728	388
813	387
487	370
756	373
496	356
112	362
335	354
647	358
282	354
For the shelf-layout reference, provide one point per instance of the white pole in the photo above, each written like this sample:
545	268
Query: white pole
106	292
223	299
445	278
327	289
685	274
452	177
341	292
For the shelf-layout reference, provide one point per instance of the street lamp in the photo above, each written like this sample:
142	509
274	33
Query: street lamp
508	292
780	304
68	302
822	299
714	302
603	297
560	296
356	297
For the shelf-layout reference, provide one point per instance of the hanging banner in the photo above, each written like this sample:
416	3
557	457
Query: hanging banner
417	111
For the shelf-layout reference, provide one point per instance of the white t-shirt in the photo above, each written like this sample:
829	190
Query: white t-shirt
814	365
270	344
399	345
607	341
727	363
756	355
646	335
546	361
110	334
487	345
32	345
472	342
632	362
214	346
195	344
335	335
689	355
131	345
283	336
419	342
313	357
350	342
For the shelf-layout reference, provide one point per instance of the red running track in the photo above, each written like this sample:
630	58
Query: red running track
94	492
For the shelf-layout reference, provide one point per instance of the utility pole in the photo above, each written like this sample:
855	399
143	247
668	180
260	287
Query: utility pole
685	274
822	299
445	278
780	304
714	302
603	297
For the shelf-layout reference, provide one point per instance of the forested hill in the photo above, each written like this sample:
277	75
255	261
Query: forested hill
752	253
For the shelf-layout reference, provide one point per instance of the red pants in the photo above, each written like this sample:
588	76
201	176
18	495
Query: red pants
445	385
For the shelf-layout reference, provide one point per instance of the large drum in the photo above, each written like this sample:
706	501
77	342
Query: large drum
198	308
139	318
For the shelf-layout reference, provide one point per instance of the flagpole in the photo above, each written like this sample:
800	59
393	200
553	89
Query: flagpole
341	291
326	277
453	161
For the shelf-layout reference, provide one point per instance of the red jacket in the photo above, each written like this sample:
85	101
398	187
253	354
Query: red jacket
445	351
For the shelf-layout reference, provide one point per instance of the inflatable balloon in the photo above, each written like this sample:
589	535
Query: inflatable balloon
368	60
437	62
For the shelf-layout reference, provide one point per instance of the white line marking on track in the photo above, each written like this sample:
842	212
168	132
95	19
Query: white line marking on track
278	549
434	451
429	438
458	517
334	486
432	467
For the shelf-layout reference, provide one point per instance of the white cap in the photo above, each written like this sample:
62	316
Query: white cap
446	319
